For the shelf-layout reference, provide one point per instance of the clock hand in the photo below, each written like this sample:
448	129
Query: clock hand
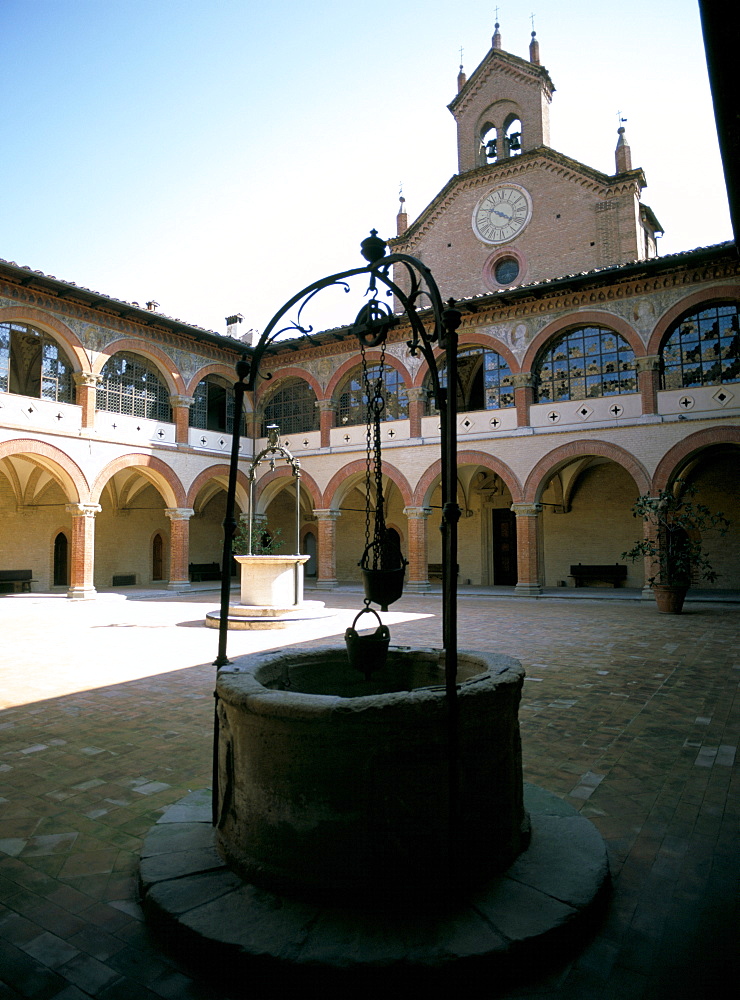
495	211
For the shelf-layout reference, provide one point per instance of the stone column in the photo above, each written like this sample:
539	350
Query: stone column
417	396
648	381
327	419
523	396
326	523
179	547
86	384
82	561
528	549
418	568
181	416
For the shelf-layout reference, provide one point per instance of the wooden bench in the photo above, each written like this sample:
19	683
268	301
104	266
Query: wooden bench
585	575
204	571
434	570
10	579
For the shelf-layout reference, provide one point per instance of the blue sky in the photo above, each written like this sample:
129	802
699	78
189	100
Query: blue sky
218	155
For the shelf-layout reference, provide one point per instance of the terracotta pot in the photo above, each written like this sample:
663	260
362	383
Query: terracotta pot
670	597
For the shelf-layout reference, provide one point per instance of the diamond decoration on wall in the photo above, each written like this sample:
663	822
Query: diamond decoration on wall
584	412
723	396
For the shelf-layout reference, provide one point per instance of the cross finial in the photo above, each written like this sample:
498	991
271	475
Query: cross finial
620	119
461	54
531	18
497	15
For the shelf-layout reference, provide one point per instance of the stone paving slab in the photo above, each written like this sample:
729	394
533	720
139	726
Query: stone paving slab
630	717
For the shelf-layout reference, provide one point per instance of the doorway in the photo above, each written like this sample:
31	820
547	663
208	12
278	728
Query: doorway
503	533
61	560
157	558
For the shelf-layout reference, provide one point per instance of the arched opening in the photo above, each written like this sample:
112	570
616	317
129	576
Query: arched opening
703	348
585	363
213	405
131	384
61	560
33	364
512	137
292	406
484	381
352	407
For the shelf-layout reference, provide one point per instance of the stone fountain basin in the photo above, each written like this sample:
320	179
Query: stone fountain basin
333	786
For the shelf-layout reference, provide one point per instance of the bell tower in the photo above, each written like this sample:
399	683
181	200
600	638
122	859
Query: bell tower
504	108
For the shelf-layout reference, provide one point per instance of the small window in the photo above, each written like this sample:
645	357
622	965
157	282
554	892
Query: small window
506	270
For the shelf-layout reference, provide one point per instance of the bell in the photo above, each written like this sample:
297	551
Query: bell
367	653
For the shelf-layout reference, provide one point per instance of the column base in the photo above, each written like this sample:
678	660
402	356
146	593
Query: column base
178	585
528	590
418	586
327	584
82	593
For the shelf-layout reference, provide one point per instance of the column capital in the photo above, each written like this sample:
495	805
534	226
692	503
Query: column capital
417	394
83	509
177	400
523	380
87	379
526	509
179	513
417	512
326	405
328	515
648	363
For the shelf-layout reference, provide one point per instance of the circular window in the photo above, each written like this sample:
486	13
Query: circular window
506	270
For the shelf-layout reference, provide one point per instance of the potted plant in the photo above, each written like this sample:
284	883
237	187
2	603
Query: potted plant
673	543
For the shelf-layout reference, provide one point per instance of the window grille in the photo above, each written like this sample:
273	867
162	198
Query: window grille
484	381
585	363
293	408
131	385
703	349
33	364
352	407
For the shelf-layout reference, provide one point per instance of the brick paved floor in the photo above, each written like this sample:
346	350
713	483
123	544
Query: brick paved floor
106	715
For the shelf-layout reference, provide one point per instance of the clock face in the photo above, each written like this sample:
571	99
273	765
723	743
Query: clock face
502	214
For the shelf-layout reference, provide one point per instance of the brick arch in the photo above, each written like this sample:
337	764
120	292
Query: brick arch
279	375
217	472
428	481
54	460
373	357
308	483
670	465
360	467
559	457
690	303
160	475
471	340
49	324
163	362
573	320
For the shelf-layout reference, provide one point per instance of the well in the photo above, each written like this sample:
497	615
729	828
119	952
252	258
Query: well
330	785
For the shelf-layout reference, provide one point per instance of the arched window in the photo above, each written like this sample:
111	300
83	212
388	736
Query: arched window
213	405
353	398
703	348
484	381
585	363
33	364
489	152
132	385
292	407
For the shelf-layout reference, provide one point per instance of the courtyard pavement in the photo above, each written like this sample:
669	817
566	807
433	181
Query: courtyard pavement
106	720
